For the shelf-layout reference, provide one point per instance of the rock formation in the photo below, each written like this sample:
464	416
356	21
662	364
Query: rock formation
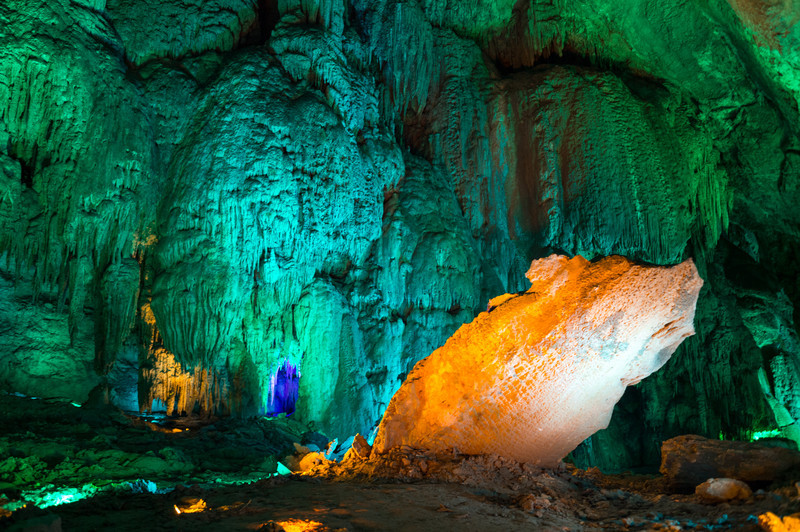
541	371
196	194
723	490
690	459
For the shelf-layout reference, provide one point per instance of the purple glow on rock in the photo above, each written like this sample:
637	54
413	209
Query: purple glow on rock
283	387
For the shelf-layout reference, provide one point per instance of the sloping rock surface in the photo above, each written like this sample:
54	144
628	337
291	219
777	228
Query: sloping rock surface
540	372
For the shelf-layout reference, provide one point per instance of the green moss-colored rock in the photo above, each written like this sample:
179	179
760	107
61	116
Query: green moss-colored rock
207	190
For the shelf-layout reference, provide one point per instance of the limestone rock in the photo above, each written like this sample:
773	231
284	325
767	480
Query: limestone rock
688	460
37	356
773	523
541	372
179	28
312	460
254	170
361	447
722	490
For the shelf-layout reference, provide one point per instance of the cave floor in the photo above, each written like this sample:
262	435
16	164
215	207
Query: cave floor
95	469
310	504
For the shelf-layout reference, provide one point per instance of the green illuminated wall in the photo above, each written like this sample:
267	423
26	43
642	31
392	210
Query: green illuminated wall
340	184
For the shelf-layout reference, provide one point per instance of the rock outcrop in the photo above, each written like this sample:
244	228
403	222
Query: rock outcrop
689	460
541	371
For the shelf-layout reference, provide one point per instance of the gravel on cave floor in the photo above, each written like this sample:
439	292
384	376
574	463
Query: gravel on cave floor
412	506
132	474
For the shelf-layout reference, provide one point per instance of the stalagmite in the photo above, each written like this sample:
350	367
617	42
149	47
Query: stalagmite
541	371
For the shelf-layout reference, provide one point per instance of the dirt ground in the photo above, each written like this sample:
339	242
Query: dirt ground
307	503
131	474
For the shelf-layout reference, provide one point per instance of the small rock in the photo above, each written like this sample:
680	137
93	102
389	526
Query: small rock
531	503
301	449
291	462
361	447
190	505
772	523
283	470
312	460
331	448
723	489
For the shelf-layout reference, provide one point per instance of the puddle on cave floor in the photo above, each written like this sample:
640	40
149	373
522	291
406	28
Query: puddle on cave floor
101	470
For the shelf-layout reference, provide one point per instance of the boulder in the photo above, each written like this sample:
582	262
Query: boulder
311	460
722	490
689	460
360	450
541	371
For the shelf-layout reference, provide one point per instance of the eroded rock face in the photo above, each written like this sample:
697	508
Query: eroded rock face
540	372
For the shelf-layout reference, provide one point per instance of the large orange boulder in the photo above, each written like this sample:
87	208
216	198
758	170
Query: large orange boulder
541	371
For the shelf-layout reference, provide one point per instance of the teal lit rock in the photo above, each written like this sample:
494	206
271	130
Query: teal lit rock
195	195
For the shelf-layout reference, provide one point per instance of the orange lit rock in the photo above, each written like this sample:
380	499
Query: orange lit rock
772	523
541	371
294	525
722	490
311	460
190	505
180	389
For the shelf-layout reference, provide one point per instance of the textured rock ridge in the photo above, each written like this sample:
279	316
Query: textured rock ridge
541	371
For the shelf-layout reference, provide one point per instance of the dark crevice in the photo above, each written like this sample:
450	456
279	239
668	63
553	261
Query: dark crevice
267	17
639	82
27	165
546	59
26	175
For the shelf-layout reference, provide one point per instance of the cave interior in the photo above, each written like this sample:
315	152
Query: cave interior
230	230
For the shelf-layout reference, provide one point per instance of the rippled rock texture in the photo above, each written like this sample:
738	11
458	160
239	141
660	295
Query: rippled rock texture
200	201
541	371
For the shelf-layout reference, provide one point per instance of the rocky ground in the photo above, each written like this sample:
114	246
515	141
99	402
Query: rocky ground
116	472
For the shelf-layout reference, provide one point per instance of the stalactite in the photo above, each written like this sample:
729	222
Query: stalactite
164	379
179	28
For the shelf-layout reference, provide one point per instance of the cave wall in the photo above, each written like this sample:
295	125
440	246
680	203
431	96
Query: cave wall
196	194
